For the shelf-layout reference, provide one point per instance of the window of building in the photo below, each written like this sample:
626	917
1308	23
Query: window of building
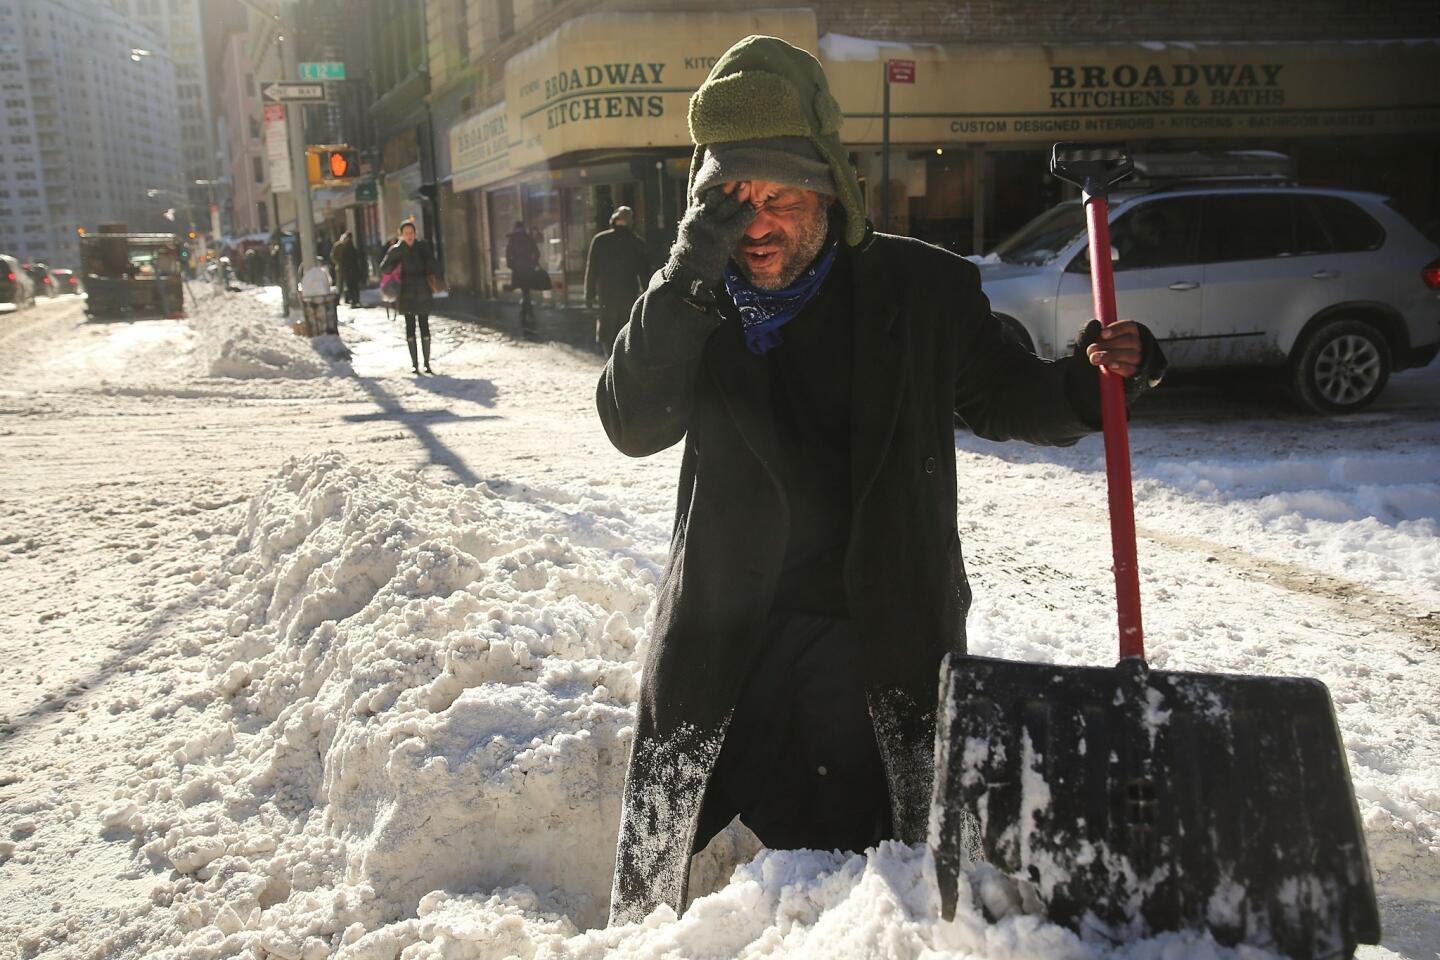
254	129
507	17
257	166
462	32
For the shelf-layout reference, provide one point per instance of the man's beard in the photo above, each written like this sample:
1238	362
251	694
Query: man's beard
797	251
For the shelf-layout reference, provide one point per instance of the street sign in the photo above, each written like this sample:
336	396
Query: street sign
322	71
294	92
277	148
901	71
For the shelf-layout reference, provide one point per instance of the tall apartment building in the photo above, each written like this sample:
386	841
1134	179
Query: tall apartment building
178	24
241	124
88	126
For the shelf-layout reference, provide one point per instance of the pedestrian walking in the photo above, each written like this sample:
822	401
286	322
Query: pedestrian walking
814	369
251	265
345	257
418	275
522	256
616	270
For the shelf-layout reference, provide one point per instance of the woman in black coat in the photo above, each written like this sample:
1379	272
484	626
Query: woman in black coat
417	272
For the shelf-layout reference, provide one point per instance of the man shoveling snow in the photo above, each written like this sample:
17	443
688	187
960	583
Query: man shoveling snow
813	368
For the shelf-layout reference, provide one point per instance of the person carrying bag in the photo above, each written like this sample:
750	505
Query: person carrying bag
409	272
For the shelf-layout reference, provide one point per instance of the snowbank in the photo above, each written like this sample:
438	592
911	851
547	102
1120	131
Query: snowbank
419	686
240	338
409	741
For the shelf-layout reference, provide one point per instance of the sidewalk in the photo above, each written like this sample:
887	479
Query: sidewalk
573	326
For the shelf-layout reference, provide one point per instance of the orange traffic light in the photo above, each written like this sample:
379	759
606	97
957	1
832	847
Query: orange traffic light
329	164
191	235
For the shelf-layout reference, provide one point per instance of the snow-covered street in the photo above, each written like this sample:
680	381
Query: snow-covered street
305	657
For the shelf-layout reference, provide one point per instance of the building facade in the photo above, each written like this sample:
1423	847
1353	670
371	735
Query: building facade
568	109
241	120
89	127
178	24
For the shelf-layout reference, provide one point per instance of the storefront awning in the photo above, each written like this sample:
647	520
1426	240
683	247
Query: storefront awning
623	81
1136	90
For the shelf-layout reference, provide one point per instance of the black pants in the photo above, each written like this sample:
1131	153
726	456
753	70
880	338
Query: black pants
800	765
612	317
424	319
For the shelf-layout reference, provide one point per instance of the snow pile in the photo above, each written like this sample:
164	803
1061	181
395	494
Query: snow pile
419	687
242	339
408	741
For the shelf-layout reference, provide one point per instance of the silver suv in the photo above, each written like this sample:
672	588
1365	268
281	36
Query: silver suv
1332	286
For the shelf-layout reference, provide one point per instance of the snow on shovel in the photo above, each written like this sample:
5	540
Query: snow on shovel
1125	801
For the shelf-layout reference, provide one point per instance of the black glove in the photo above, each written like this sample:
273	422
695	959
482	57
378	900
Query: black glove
709	232
1152	359
1082	380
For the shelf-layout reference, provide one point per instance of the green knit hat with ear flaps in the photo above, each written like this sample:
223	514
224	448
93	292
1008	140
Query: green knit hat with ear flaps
763	87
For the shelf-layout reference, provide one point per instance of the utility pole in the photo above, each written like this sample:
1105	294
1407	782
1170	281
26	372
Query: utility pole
885	149
295	132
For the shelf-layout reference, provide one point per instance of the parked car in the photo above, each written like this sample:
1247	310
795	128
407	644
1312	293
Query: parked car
66	281
1334	288
44	282
16	288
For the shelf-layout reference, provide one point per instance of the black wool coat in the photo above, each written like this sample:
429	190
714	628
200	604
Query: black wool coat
616	268
417	266
925	346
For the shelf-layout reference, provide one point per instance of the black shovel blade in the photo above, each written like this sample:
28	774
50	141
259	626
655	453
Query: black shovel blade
1131	801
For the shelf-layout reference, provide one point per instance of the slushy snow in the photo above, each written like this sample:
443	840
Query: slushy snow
377	699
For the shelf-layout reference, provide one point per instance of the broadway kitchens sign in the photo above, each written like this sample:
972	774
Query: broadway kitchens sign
1151	90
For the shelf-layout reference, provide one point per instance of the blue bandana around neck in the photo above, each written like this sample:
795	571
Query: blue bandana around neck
764	312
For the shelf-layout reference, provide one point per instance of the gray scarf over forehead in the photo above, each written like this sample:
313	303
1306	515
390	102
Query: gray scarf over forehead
792	161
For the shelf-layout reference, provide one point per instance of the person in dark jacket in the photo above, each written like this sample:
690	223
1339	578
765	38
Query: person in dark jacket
417	273
616	270
345	257
813	369
522	256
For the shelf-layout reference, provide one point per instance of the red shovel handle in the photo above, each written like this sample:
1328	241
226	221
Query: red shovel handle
1117	440
1093	167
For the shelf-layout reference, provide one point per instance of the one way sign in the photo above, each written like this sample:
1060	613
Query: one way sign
294	92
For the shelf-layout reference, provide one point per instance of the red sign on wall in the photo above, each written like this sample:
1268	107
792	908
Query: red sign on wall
901	71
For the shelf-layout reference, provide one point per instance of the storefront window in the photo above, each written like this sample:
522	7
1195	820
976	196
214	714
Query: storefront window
587	212
579	228
542	219
944	215
504	211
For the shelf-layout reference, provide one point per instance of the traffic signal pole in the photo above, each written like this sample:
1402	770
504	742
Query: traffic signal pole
295	133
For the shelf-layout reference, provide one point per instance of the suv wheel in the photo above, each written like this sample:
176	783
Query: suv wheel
1342	367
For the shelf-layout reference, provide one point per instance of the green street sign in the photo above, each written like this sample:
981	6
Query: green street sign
322	71
365	192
